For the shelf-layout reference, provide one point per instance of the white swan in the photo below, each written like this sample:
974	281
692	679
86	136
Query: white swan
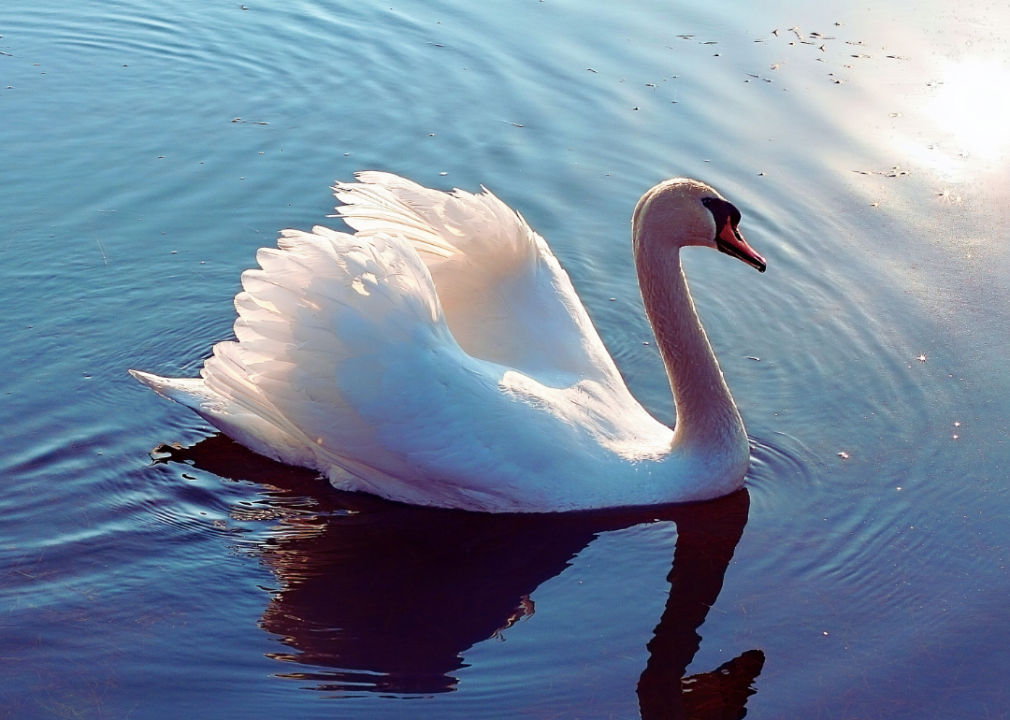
440	356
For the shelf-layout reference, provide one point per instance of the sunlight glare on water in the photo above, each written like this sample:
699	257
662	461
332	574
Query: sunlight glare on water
973	104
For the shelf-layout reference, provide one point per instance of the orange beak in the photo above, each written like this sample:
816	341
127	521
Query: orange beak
730	241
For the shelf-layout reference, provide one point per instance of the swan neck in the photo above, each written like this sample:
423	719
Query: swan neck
706	413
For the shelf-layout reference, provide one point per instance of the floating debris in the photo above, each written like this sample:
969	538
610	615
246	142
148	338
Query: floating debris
921	357
591	70
845	456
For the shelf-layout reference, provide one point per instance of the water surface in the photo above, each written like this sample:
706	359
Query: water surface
149	149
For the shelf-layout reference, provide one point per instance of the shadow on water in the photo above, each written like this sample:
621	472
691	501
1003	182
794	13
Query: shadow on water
381	597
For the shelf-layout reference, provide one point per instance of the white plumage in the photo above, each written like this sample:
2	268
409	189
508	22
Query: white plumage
440	356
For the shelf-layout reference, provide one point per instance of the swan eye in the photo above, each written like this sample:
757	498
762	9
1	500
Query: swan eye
723	212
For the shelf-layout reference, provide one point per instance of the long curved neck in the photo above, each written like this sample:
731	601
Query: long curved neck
706	413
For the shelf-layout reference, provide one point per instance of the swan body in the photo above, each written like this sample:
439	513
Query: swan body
440	356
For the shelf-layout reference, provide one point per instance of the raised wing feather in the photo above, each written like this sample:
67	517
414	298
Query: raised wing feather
321	303
504	294
343	345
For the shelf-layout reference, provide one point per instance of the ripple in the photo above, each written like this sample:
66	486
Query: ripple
785	465
876	543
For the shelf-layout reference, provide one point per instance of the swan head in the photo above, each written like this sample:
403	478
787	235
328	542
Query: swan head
682	212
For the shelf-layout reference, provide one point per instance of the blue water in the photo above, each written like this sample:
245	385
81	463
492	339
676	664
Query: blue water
149	149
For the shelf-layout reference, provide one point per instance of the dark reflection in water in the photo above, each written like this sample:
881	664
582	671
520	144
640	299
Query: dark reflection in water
381	597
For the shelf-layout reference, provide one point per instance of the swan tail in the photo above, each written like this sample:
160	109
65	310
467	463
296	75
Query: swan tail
242	417
185	391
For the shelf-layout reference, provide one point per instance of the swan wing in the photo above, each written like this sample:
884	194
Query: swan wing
344	363
315	325
505	297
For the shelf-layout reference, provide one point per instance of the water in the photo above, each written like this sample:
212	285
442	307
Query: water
149	149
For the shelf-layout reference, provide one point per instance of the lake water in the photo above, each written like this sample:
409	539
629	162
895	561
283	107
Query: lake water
148	149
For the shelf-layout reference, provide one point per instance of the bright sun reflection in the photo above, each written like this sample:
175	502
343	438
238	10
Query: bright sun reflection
973	104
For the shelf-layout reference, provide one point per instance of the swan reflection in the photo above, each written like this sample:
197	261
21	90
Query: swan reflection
382	597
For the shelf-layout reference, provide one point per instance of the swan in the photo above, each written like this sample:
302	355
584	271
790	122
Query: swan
440	356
